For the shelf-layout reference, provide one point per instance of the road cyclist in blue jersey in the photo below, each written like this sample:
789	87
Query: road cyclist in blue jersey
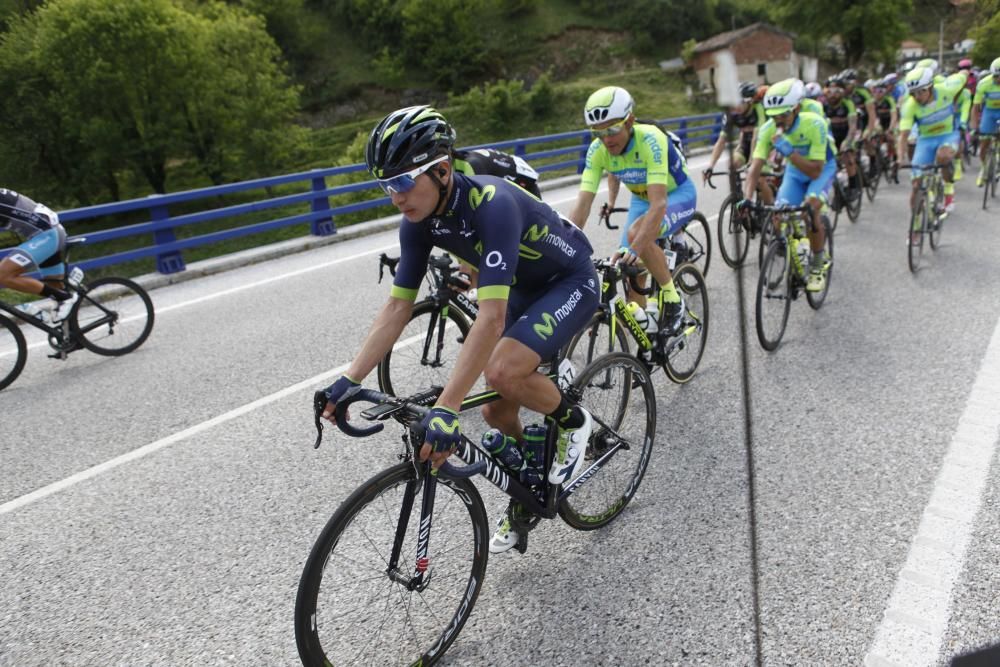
802	138
39	242
663	195
537	288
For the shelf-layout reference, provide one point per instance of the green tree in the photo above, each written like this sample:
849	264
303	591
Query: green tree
868	29
987	36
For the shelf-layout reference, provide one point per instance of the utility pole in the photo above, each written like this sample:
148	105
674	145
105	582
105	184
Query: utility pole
940	45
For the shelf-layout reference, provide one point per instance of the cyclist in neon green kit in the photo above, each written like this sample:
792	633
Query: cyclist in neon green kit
641	157
987	113
930	107
803	139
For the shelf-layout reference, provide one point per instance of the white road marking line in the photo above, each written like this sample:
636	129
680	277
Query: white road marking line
916	617
152	447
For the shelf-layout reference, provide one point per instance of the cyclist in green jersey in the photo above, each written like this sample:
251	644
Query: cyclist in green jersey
930	108
640	157
986	106
803	139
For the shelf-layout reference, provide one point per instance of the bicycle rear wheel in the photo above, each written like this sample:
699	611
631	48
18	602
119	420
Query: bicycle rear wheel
816	299
698	242
687	347
934	225
426	352
13	351
596	340
915	235
766	236
114	316
618	393
872	177
734	239
774	297
351	609
854	197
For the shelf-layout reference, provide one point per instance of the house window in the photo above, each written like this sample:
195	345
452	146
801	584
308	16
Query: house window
762	70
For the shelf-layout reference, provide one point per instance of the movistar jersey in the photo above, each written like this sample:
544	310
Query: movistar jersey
808	135
937	117
512	237
648	159
839	113
21	218
988	93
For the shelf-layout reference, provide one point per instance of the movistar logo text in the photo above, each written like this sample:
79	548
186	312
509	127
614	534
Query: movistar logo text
477	196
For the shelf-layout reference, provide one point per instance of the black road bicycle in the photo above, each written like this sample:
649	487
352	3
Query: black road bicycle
692	243
736	228
395	573
785	270
991	167
112	317
927	218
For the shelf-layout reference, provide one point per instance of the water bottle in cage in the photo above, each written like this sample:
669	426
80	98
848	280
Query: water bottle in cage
534	453
504	449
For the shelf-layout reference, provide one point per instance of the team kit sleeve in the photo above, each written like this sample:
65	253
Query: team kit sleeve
815	132
593	168
656	152
498	222
764	138
415	250
906	114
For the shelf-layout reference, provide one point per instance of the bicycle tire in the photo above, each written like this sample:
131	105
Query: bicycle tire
405	370
853	204
988	171
698	239
13	351
816	299
837	201
994	169
775	276
106	308
734	239
684	359
336	578
872	178
935	227
918	222
597	340
623	380
766	236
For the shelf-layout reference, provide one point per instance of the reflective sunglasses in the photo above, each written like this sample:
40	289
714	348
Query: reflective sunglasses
406	181
610	131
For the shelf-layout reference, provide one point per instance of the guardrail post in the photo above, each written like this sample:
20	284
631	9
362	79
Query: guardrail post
168	262
583	153
321	226
717	128
682	132
520	151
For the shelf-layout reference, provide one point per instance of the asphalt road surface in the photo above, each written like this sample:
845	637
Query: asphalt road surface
157	509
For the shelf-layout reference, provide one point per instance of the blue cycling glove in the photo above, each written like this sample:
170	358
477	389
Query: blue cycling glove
784	146
441	429
342	389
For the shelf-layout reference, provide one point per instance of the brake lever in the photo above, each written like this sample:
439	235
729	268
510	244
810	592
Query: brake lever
319	402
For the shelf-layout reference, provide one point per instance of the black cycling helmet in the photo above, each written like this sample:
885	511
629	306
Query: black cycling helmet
748	89
406	139
848	75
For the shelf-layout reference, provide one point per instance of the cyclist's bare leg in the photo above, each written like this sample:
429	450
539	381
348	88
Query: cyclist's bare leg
513	371
817	233
946	156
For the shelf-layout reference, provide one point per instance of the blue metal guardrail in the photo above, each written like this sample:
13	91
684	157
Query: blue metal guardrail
167	249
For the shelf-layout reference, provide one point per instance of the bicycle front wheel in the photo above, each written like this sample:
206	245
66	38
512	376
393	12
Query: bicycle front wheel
114	316
596	340
855	197
353	608
774	297
13	351
915	235
426	352
816	299
685	350
618	393
934	225
697	240
871	178
734	239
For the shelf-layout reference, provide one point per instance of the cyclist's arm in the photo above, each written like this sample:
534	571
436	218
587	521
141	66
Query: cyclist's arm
581	209
872	117
977	109
750	185
720	145
384	332
475	352
614	185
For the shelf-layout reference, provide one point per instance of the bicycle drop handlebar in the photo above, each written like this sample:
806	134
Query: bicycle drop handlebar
411	410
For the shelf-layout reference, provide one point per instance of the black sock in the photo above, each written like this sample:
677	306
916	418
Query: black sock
567	415
57	294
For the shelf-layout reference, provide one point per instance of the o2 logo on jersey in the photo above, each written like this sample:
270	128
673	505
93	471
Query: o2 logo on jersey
494	259
477	196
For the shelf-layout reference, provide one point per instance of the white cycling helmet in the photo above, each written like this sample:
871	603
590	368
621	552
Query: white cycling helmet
920	77
995	67
783	96
813	90
608	103
928	63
